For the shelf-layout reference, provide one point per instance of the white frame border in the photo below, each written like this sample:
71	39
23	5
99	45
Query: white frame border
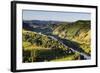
21	65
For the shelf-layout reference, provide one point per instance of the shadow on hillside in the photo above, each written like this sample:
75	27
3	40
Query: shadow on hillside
72	44
44	55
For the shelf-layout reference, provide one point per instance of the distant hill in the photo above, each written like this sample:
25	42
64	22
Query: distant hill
39	23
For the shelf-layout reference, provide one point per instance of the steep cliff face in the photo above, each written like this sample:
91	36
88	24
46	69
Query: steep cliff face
79	31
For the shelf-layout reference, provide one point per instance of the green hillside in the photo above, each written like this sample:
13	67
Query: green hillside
79	31
38	47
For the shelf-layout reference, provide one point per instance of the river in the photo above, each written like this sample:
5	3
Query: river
64	42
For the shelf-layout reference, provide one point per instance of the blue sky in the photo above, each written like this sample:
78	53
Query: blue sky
55	16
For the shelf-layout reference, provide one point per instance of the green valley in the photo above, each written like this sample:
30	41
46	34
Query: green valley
56	41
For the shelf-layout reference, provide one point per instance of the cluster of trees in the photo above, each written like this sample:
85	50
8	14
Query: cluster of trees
40	55
41	40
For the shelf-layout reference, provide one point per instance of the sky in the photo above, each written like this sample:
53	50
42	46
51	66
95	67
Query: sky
55	16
